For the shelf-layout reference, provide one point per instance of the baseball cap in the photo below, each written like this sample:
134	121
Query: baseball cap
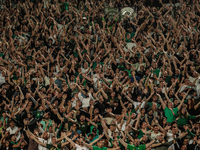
94	130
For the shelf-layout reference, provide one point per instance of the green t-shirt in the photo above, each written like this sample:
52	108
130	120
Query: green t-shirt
44	124
97	148
132	111
15	143
132	147
157	71
64	6
183	121
169	114
120	145
38	114
69	123
150	104
121	67
140	134
51	147
1	54
83	127
129	72
168	79
132	34
92	126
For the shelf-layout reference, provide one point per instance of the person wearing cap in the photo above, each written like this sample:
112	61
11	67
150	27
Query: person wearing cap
95	135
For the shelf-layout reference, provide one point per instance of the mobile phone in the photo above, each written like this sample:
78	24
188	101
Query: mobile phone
189	87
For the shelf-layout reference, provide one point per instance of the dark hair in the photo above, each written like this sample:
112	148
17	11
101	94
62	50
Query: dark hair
173	124
182	115
192	102
142	123
30	113
91	135
161	122
155	125
100	140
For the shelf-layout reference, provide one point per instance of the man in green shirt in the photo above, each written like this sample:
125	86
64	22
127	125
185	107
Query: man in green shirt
170	112
16	145
46	120
83	125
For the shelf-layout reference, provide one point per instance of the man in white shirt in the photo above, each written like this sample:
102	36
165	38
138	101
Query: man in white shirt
85	101
80	145
171	135
139	99
2	77
45	140
13	129
155	132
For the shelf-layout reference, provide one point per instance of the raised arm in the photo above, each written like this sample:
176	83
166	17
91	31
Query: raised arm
150	143
88	146
182	101
37	141
138	121
196	106
103	123
92	143
123	143
92	123
162	102
128	98
106	134
70	141
66	116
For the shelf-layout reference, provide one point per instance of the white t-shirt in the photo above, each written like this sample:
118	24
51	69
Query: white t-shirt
84	70
43	141
2	79
85	101
138	103
47	80
78	147
170	138
12	131
153	135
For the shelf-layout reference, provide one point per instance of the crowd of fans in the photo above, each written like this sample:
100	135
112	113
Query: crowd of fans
73	79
